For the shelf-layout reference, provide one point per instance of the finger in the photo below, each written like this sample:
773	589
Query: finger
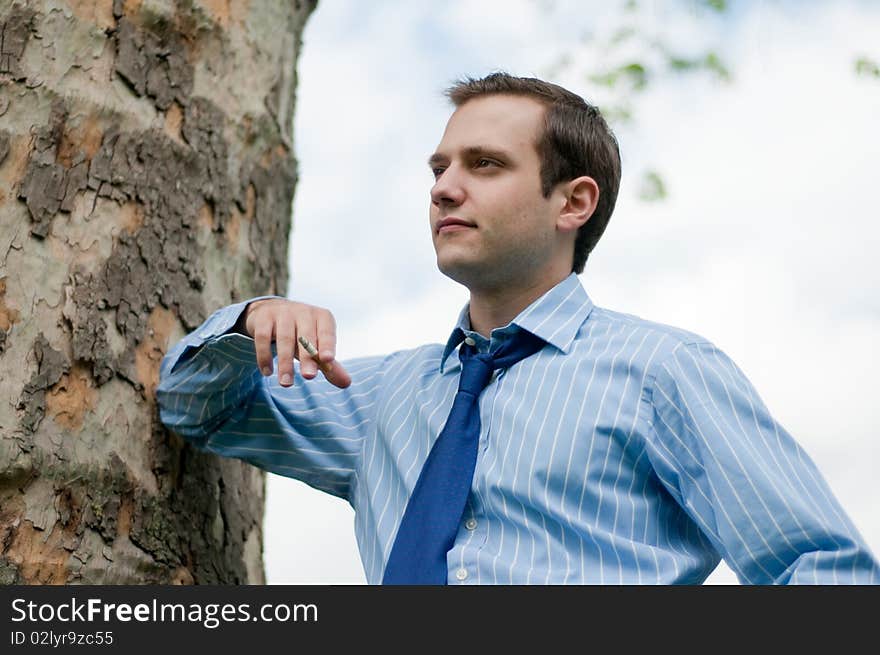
326	342
308	367
284	343
264	327
325	366
308	348
333	370
336	374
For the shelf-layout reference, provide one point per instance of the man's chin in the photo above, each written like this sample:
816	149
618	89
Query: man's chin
469	274
455	269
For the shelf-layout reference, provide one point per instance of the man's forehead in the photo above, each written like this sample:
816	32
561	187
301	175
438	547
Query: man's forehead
493	123
502	112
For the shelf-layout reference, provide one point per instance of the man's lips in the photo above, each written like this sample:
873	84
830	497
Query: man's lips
451	223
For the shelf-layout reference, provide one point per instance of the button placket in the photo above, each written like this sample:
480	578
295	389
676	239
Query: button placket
487	403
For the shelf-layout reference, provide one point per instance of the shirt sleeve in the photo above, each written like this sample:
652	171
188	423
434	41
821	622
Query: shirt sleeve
749	486
212	394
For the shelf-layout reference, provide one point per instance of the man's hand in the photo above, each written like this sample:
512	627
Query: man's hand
284	321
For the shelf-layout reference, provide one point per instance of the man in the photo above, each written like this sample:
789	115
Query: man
609	450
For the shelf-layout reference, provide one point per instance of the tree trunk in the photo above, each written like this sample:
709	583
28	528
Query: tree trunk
146	179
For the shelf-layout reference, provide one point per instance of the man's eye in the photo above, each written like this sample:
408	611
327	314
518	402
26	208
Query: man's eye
437	172
482	163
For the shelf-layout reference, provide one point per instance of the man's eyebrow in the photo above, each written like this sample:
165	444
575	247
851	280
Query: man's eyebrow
470	152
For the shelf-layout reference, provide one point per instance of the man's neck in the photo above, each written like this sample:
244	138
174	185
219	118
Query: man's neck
494	308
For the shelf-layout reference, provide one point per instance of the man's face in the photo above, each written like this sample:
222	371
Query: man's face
487	174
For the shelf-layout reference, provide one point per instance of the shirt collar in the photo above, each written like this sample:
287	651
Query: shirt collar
556	317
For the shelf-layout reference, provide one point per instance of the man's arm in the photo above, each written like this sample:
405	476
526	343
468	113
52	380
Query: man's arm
745	481
212	393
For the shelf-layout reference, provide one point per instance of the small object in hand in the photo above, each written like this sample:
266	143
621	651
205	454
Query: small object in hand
324	366
308	346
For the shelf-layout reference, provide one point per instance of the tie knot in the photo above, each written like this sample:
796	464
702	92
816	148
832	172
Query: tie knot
476	368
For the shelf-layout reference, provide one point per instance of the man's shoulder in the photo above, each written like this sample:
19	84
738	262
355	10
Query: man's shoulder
635	329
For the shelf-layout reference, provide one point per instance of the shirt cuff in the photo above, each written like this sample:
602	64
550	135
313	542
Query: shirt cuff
216	325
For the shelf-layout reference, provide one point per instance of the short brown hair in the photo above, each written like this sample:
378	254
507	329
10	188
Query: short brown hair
575	141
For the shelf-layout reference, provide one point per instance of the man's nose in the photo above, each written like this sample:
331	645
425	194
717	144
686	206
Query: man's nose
448	189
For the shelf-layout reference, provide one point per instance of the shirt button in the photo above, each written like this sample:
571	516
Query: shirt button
461	574
469	341
471	524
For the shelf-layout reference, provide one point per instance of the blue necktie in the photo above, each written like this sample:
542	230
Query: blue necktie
434	511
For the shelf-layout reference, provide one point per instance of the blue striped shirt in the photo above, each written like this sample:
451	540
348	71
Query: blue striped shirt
623	452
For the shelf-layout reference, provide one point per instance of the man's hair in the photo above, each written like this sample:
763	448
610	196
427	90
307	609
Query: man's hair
575	141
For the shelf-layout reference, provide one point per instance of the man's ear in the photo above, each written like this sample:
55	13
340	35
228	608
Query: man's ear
579	199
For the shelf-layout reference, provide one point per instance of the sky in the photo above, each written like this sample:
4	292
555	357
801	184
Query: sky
764	245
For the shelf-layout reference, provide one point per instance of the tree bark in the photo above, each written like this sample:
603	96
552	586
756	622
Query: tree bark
146	179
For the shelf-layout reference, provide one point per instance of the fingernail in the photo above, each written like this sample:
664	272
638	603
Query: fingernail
285	379
267	371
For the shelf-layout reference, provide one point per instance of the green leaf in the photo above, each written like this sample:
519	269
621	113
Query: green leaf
865	66
680	64
653	189
717	5
637	74
712	62
608	79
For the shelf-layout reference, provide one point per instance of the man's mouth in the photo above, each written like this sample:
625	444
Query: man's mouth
452	223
